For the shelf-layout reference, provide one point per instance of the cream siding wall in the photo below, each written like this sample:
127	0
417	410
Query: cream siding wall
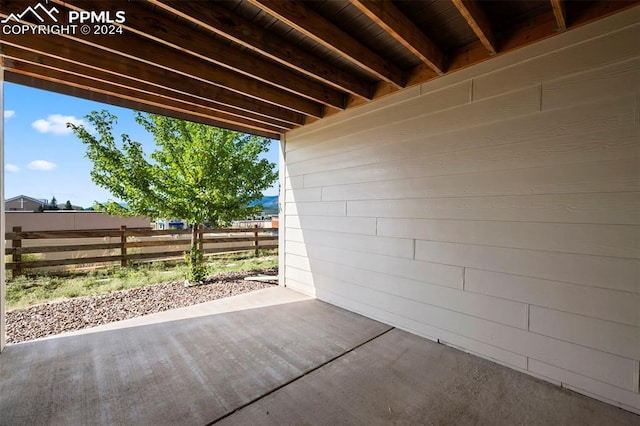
495	210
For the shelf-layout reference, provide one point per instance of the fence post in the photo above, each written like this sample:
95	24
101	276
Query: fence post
123	246
16	257
255	237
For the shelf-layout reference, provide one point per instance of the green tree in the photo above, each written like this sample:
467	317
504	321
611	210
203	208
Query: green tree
53	204
197	173
68	206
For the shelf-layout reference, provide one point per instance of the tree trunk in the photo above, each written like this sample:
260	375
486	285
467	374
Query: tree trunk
194	236
196	271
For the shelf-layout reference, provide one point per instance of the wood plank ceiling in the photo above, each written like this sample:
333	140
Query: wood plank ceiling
268	66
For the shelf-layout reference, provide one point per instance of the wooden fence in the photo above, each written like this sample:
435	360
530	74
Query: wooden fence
209	240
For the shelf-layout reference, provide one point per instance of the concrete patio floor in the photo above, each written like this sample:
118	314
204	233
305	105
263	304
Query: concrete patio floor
272	357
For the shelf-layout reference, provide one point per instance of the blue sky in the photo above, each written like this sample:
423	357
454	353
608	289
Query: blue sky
43	159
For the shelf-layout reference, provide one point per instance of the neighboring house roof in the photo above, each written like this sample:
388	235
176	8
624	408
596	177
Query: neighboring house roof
35	200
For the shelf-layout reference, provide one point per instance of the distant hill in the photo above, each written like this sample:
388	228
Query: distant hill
269	204
61	206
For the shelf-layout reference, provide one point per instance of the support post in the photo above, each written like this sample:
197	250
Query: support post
3	273
16	257
255	239
200	240
282	217
123	245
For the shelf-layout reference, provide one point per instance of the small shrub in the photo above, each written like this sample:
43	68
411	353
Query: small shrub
52	284
160	266
71	293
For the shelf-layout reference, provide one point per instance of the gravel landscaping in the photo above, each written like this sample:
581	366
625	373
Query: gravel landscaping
82	312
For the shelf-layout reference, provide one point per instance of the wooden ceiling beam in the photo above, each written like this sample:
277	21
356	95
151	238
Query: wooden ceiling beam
147	75
479	23
223	22
535	29
228	114
79	92
158	27
47	73
560	13
313	25
134	47
403	30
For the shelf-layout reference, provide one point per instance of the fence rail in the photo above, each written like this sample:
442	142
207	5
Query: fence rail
209	240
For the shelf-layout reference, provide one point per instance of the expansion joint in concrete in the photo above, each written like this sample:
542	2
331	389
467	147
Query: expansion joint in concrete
295	379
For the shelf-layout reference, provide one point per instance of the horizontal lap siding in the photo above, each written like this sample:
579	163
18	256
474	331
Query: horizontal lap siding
592	208
498	213
570	122
594	146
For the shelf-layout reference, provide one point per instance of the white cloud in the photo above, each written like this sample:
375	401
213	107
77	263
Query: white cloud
57	124
41	165
11	168
9	113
